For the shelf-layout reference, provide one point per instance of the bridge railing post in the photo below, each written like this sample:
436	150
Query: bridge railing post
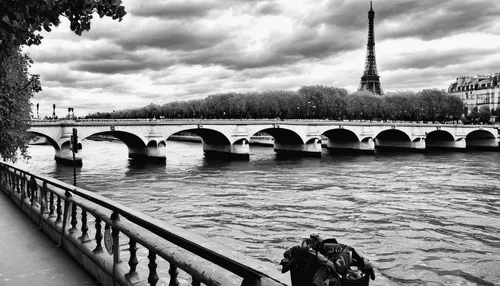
115	236
67	205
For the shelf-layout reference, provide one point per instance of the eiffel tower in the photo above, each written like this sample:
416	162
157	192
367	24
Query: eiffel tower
370	79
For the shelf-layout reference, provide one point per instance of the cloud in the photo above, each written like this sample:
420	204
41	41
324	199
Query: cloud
438	59
172	50
175	9
170	35
426	20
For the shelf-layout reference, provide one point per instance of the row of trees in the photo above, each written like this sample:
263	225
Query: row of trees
484	114
308	102
21	22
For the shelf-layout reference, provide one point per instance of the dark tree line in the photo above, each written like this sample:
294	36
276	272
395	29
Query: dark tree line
309	102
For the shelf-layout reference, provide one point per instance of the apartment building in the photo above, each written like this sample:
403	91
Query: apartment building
482	90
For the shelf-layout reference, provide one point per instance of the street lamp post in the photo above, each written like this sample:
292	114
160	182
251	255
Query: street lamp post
71	113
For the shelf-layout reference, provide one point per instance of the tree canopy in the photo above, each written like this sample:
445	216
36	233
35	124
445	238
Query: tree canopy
21	22
319	102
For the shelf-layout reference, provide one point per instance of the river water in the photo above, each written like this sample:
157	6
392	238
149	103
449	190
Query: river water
422	219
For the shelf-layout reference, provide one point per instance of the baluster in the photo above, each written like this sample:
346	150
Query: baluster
17	186
43	198
37	196
85	228
98	235
7	178
59	209
132	262
51	205
24	186
74	220
115	235
173	275
153	276
20	183
16	182
33	186
11	181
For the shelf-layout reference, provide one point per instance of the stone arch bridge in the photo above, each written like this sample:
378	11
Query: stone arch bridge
147	138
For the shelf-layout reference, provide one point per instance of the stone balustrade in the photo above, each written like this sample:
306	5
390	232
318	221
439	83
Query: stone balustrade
121	246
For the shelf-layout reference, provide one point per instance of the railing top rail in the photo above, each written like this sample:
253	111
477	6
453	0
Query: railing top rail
194	121
152	225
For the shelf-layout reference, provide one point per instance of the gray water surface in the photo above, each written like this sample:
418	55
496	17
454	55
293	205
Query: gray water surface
422	219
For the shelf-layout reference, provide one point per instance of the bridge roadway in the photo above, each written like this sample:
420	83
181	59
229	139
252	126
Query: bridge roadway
230	138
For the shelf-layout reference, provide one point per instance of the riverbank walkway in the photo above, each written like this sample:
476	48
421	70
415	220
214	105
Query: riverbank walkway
29	257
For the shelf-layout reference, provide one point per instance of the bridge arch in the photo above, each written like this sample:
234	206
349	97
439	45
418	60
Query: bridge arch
209	136
49	139
393	135
443	140
282	135
289	142
129	139
341	140
339	135
138	148
156	144
216	144
439	136
481	139
394	139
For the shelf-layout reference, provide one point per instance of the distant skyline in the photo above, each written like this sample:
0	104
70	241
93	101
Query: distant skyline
166	51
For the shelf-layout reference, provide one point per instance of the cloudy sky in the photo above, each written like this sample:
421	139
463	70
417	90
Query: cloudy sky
169	50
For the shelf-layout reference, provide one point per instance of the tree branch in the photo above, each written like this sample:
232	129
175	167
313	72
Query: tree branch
21	89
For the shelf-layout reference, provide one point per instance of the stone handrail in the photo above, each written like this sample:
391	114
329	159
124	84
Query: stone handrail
64	212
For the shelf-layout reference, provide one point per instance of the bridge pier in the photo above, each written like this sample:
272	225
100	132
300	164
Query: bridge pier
239	150
311	149
452	145
152	152
367	146
417	145
64	156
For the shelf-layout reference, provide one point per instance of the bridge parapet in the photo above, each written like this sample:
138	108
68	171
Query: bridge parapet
64	212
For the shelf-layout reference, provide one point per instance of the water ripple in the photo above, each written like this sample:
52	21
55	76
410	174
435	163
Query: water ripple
423	219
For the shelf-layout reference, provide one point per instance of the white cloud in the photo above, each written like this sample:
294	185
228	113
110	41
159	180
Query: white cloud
164	51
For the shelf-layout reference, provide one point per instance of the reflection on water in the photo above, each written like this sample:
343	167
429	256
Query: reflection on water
423	219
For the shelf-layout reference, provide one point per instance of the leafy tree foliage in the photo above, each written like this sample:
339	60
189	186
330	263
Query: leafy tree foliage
21	22
308	102
15	109
484	113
